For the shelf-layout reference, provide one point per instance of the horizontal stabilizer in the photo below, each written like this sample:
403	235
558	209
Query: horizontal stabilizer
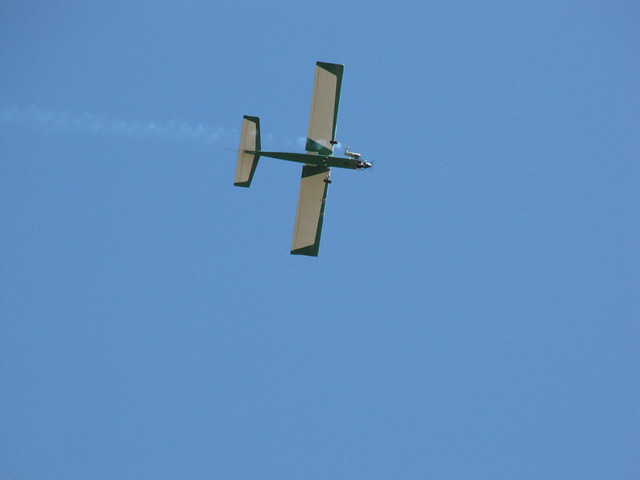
249	142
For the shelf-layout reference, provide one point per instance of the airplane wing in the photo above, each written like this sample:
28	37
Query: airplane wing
313	194
321	132
324	107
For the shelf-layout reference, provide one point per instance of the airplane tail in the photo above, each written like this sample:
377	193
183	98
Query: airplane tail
247	156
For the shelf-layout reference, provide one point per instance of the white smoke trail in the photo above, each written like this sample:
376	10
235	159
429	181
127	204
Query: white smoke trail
101	125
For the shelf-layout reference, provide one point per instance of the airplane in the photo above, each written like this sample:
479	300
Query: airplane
321	139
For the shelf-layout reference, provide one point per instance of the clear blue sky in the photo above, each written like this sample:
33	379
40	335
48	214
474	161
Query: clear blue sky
474	312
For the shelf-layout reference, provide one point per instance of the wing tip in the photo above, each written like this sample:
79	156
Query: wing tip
335	68
309	251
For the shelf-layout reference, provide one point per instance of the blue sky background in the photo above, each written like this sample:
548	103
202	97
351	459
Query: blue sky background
474	309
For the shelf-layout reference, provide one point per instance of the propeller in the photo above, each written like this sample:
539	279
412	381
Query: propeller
370	162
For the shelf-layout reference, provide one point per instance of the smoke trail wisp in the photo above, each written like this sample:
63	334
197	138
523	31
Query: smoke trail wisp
101	125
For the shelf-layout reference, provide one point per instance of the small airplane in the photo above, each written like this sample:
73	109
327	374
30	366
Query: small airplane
317	161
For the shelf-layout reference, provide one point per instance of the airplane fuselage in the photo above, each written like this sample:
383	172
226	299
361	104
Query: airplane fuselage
316	159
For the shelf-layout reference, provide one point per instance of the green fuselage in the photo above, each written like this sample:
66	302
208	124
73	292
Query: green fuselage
316	159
